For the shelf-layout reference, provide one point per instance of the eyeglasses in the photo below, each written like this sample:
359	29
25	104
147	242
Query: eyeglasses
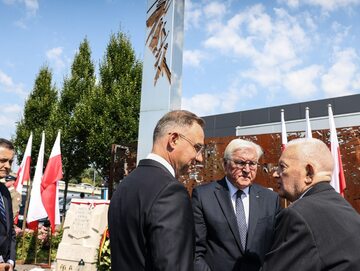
242	164
198	147
271	168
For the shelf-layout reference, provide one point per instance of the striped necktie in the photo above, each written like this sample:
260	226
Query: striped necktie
2	209
241	219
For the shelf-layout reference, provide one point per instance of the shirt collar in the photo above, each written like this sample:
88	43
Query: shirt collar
162	161
233	189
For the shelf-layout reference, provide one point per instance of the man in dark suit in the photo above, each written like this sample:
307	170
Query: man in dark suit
150	216
234	217
319	230
7	232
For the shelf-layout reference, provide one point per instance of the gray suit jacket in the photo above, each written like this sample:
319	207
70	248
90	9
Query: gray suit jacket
218	245
320	231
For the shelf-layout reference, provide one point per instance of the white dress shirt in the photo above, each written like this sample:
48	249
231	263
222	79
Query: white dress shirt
245	197
162	161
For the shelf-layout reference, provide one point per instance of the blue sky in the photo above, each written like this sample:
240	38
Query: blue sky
238	54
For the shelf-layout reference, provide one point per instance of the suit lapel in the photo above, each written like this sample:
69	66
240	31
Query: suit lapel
223	197
6	207
254	211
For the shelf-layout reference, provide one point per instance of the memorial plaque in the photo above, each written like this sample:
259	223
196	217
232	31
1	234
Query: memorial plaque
85	222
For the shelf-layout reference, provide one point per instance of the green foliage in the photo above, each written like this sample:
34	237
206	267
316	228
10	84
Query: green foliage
110	114
39	243
79	84
37	111
104	259
91	116
87	176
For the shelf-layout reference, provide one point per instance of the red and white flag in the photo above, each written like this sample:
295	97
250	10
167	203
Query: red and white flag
308	132
49	184
36	209
283	131
338	177
23	173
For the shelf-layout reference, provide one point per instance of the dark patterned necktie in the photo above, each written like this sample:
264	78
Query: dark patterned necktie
241	219
2	209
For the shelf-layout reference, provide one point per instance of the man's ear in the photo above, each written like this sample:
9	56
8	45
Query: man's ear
172	140
309	173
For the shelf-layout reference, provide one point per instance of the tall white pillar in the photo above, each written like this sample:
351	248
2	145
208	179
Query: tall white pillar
162	67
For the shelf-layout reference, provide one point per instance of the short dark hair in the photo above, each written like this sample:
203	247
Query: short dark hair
176	118
6	144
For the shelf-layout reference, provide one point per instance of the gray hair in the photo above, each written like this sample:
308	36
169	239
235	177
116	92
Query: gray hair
175	119
237	144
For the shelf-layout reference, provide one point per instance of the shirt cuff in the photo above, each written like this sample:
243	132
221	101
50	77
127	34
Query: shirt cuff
11	262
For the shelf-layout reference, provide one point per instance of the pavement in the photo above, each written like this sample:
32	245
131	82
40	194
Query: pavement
32	267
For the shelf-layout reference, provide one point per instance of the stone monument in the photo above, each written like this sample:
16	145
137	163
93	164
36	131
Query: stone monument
85	222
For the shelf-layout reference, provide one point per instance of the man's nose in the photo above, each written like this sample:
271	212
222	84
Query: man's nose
276	174
199	157
246	168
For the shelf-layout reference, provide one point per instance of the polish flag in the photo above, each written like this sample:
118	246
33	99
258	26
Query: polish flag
283	131
23	173
49	184
36	209
338	177
308	132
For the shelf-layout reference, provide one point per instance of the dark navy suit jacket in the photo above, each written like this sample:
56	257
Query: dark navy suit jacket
7	232
320	231
151	221
218	245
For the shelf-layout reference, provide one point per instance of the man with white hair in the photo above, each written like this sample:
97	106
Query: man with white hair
320	230
234	217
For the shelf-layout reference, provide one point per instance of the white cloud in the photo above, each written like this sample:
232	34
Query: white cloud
9	115
325	5
31	6
301	83
273	46
223	101
343	75
55	57
214	10
7	85
341	32
192	14
5	79
193	57
201	104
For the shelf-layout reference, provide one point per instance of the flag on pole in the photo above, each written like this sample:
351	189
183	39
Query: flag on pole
23	173
36	209
338	177
283	131
49	184
308	132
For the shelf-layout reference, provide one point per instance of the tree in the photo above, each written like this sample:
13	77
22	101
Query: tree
79	84
76	86
110	114
37	111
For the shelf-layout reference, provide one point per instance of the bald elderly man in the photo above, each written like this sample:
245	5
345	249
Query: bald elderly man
319	230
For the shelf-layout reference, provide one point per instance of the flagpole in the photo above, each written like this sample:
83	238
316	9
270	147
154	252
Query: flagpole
308	132
28	188
50	244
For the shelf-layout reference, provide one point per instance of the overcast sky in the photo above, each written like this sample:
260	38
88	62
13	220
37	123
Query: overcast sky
238	54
